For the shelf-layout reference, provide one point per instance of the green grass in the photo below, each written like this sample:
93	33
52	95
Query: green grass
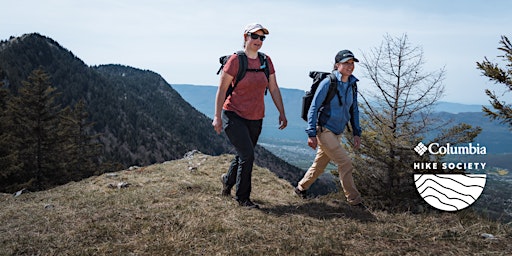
172	209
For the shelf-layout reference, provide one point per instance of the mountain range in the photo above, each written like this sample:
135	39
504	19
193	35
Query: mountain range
140	118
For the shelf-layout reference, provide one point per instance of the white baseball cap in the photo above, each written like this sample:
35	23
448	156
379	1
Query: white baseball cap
253	27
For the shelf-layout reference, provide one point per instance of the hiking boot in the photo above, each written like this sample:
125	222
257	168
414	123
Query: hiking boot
248	204
226	190
300	193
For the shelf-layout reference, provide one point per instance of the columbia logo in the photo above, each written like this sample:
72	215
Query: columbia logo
420	148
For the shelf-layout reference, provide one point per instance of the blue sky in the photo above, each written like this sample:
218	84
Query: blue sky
182	40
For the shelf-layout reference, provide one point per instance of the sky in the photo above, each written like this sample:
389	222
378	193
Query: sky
183	40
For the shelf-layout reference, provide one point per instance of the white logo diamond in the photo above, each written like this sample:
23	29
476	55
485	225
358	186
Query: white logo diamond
420	148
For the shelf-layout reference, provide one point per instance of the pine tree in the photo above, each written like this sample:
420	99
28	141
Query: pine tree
495	73
9	164
43	145
35	123
397	115
81	147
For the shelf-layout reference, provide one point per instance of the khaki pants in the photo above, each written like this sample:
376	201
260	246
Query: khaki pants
329	148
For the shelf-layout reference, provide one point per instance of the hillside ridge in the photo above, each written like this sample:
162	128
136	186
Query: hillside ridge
175	208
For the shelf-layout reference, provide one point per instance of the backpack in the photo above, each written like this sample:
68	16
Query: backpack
333	90
242	68
308	97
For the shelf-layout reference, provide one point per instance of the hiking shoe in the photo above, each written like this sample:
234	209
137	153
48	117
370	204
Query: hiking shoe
361	206
300	193
226	190
248	204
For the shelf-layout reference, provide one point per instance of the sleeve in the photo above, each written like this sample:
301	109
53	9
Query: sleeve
231	66
270	65
354	118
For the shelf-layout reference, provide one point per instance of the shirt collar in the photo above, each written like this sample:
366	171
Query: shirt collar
351	79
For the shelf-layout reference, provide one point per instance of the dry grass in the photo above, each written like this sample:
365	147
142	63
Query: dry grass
175	208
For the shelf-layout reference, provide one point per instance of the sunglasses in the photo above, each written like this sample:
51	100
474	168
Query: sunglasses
256	36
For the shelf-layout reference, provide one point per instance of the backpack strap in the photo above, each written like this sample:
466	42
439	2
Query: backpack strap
264	66
242	68
333	90
243	64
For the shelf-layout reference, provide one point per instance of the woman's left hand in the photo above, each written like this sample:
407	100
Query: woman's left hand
282	122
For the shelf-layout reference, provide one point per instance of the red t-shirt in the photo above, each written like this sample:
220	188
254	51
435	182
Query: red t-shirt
247	100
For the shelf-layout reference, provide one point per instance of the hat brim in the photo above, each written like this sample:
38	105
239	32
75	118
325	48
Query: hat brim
347	59
265	31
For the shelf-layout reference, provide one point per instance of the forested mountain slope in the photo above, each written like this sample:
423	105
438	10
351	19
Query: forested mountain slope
139	117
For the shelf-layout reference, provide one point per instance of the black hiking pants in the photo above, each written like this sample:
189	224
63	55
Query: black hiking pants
243	134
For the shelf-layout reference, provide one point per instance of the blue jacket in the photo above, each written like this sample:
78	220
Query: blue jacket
338	116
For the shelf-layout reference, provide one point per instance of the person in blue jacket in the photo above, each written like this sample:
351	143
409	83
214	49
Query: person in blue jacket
326	133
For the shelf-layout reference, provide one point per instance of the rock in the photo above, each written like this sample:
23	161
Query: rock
190	154
487	236
111	174
132	168
18	193
119	185
123	184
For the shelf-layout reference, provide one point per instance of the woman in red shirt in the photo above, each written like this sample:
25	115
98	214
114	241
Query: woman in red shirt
241	113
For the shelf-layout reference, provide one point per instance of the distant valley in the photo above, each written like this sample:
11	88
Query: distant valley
290	144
